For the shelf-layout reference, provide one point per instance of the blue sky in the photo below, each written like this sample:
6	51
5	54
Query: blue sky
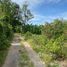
46	10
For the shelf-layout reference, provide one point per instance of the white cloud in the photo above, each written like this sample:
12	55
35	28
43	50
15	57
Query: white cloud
29	1
40	19
36	2
54	1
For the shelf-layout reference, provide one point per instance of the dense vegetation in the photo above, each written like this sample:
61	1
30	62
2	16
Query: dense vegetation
7	9
34	29
11	21
51	43
49	40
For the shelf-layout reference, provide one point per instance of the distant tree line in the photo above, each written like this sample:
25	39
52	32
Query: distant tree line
34	29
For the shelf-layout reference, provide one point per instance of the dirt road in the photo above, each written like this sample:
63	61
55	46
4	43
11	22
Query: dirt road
13	54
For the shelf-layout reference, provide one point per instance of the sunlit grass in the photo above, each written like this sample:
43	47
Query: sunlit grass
24	60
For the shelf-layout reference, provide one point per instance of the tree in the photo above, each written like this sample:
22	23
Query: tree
9	19
5	9
16	16
54	29
47	30
26	13
11	13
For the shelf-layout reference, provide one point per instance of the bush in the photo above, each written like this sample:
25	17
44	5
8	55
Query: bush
5	35
55	47
47	58
28	35
53	65
4	43
9	32
53	30
40	40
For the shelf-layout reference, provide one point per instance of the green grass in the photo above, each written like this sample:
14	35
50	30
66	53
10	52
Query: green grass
3	55
46	57
50	51
24	60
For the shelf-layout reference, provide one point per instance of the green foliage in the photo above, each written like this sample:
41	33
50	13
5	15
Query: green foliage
47	58
5	35
4	43
10	22
34	29
9	32
52	43
3	55
11	13
55	47
53	65
53	30
40	40
28	35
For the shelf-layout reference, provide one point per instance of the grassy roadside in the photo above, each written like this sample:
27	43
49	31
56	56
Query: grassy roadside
47	58
3	55
24	60
52	52
44	57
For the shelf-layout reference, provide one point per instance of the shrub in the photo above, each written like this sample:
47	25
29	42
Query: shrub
28	35
40	40
47	58
9	32
53	30
55	47
5	35
4	43
53	65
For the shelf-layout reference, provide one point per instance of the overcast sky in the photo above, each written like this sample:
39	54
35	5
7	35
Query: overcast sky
46	10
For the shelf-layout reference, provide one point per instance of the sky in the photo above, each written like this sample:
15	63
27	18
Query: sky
46	10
